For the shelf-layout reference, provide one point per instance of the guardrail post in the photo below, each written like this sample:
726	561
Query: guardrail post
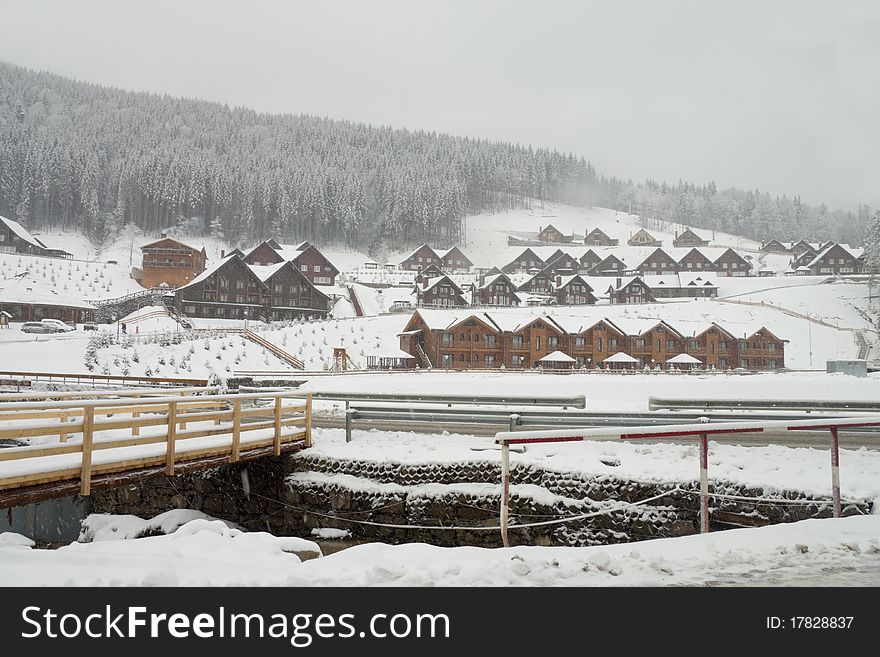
277	436
349	416
505	491
172	438
86	475
514	421
236	429
704	484
135	430
835	471
309	420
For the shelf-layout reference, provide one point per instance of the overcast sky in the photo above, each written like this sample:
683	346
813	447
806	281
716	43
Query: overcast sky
782	96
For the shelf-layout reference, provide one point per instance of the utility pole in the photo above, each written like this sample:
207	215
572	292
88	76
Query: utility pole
810	334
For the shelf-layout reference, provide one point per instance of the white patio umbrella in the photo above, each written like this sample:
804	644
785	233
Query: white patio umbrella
557	357
684	359
621	357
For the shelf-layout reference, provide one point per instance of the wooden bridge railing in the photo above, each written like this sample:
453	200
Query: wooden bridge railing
74	377
226	425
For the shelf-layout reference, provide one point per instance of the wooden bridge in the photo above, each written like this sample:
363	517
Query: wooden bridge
64	443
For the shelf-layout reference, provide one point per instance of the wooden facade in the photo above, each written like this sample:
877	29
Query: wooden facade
597	237
14	238
551	234
421	258
589	260
484	341
631	290
731	263
167	261
611	265
573	291
265	253
689	238
315	266
540	283
659	263
524	262
233	290
27	311
562	263
696	260
495	290
455	261
835	260
643	238
775	246
441	292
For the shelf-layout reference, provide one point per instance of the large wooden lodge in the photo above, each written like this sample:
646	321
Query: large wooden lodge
488	340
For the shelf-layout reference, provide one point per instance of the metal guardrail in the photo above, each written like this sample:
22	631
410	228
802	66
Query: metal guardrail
806	405
578	401
107	379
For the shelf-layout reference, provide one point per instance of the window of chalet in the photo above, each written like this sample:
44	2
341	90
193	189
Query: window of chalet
552	342
516	341
599	344
538	343
640	343
670	345
612	343
490	340
580	342
490	358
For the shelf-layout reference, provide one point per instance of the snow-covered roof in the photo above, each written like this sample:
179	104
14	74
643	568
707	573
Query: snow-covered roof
557	357
23	234
210	270
265	272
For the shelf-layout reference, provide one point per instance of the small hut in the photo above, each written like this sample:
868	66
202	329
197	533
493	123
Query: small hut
391	359
5	318
684	362
557	361
621	361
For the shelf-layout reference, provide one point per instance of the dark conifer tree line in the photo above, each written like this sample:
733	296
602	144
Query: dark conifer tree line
81	156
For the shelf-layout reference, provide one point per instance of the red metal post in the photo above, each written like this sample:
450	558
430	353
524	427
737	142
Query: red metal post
704	484
835	471
505	491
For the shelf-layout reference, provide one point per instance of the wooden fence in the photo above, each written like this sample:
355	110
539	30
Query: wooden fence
240	425
109	379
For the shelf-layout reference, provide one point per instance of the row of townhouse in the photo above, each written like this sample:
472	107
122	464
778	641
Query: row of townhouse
657	262
448	260
489	340
597	237
498	289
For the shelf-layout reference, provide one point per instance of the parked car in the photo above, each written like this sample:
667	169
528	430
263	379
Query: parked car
57	323
89	326
39	327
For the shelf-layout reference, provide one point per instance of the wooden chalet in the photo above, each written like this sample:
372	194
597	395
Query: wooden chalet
421	258
775	246
491	340
681	285
305	256
524	262
573	291
589	260
540	283
731	263
762	350
441	291
232	289
643	238
495	290
630	290
550	233
688	238
454	261
695	260
597	237
659	263
611	265
562	263
834	260
14	238
172	263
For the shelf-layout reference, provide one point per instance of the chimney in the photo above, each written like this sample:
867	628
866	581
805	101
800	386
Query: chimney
618	283
558	280
222	253
163	235
424	282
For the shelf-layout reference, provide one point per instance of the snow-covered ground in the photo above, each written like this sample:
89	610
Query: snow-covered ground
810	553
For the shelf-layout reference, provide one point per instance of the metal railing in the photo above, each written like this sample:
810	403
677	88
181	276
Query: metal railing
806	405
702	431
226	429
